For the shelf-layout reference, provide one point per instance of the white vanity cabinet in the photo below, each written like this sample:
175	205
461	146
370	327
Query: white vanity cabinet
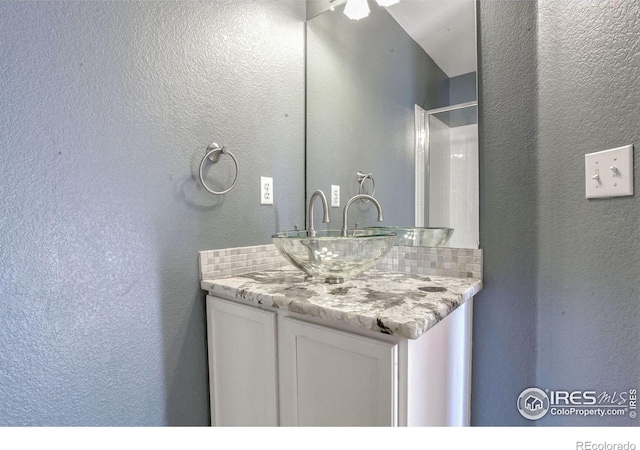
274	367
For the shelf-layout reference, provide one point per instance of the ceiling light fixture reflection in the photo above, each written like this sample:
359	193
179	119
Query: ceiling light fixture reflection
358	9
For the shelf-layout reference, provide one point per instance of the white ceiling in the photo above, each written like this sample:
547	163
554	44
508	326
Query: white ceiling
445	29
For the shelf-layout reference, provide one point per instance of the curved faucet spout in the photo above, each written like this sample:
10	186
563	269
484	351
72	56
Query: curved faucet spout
353	199
325	207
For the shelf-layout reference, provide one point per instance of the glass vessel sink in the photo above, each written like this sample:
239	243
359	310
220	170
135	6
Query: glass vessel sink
333	257
418	236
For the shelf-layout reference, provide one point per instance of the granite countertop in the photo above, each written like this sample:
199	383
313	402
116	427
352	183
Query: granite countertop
394	303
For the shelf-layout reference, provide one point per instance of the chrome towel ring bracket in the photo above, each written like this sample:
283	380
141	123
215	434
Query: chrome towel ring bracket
214	152
362	177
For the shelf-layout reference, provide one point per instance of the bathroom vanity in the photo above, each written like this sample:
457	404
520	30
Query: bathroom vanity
388	348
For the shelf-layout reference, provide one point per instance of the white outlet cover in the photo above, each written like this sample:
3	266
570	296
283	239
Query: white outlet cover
609	173
266	190
335	196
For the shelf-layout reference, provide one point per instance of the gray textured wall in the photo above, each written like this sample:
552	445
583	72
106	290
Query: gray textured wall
363	79
504	334
589	250
560	305
106	109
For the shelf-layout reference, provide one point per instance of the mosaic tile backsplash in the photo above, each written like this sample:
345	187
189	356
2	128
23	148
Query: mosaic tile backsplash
236	261
448	262
443	261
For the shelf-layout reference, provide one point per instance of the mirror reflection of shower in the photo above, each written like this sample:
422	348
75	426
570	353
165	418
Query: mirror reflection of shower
447	171
364	78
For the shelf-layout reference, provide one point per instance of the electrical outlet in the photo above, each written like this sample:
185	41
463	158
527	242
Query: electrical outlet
335	196
609	173
266	191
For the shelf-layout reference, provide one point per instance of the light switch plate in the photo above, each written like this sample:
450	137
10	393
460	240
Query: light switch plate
335	196
266	190
609	173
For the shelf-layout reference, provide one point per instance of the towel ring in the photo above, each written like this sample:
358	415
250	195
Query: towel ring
361	178
214	158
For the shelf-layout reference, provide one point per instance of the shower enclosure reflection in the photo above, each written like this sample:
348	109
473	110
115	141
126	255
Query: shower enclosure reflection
447	171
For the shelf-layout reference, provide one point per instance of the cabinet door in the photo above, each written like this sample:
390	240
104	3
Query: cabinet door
333	378
242	364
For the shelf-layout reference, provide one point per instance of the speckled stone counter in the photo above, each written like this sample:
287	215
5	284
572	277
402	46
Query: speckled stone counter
394	303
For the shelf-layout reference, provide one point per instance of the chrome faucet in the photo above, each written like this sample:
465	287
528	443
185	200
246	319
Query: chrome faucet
353	199
311	229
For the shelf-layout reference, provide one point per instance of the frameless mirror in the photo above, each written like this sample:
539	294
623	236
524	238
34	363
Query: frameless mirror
391	111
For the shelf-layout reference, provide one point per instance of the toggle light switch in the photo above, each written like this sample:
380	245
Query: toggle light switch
617	181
